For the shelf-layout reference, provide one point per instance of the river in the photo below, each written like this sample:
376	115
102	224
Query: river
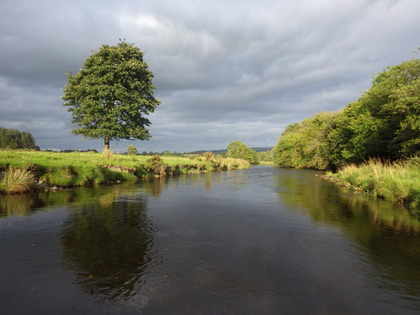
256	241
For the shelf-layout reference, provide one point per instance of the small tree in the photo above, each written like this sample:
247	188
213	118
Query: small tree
111	95
239	150
131	150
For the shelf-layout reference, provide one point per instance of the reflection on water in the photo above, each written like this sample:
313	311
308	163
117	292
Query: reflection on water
263	240
386	232
324	201
108	245
23	205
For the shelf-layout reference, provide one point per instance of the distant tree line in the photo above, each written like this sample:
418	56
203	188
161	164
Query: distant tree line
383	123
14	139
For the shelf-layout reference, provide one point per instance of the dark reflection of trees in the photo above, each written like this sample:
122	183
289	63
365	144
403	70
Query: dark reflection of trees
108	246
387	233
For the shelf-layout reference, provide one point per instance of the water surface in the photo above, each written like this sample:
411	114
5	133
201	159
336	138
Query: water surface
263	240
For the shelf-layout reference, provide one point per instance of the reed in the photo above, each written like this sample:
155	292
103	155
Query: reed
17	181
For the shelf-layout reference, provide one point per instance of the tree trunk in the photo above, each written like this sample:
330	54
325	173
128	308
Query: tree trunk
106	143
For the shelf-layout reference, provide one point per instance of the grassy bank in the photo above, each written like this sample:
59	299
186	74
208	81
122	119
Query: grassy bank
22	171
397	182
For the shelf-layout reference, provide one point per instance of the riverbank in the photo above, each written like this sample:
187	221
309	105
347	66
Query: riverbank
398	182
24	171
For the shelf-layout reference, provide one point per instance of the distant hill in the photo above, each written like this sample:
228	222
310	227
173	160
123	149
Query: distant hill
223	151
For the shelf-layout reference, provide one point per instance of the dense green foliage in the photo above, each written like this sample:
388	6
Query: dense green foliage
14	139
111	95
384	123
131	150
266	156
239	150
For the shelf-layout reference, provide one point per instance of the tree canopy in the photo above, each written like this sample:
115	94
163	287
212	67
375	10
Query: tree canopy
239	150
15	139
383	123
111	95
131	150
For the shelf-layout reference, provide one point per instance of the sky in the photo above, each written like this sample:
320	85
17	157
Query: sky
224	70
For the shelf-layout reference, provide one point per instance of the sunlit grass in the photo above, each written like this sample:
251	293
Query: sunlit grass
89	168
398	182
17	180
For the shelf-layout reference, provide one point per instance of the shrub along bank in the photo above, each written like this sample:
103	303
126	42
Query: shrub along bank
23	171
397	182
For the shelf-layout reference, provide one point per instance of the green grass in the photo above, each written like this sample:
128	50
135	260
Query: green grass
398	182
88	168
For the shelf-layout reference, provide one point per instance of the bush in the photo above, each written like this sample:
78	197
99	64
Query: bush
156	166
208	156
131	150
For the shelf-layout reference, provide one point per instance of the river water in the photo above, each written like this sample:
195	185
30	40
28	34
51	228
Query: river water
256	241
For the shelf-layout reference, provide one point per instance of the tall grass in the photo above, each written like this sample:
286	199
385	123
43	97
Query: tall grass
398	182
17	180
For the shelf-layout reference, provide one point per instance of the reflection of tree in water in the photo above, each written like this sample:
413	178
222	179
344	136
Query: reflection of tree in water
109	247
388	234
153	185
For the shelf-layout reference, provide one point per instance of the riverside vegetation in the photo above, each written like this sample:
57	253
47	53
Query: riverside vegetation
25	171
398	182
382	125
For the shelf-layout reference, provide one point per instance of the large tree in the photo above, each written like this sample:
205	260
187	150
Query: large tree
111	95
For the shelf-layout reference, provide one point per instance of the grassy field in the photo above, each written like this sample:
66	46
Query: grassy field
397	182
40	170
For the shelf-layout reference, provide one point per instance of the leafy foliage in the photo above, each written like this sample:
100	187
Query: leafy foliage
131	150
14	139
266	156
384	123
239	150
111	95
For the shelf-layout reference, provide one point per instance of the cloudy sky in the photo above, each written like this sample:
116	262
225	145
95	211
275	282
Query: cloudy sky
225	70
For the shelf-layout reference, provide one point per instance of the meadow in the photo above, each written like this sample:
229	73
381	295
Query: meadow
23	171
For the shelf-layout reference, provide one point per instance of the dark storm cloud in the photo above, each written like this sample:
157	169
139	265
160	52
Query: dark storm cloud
224	70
